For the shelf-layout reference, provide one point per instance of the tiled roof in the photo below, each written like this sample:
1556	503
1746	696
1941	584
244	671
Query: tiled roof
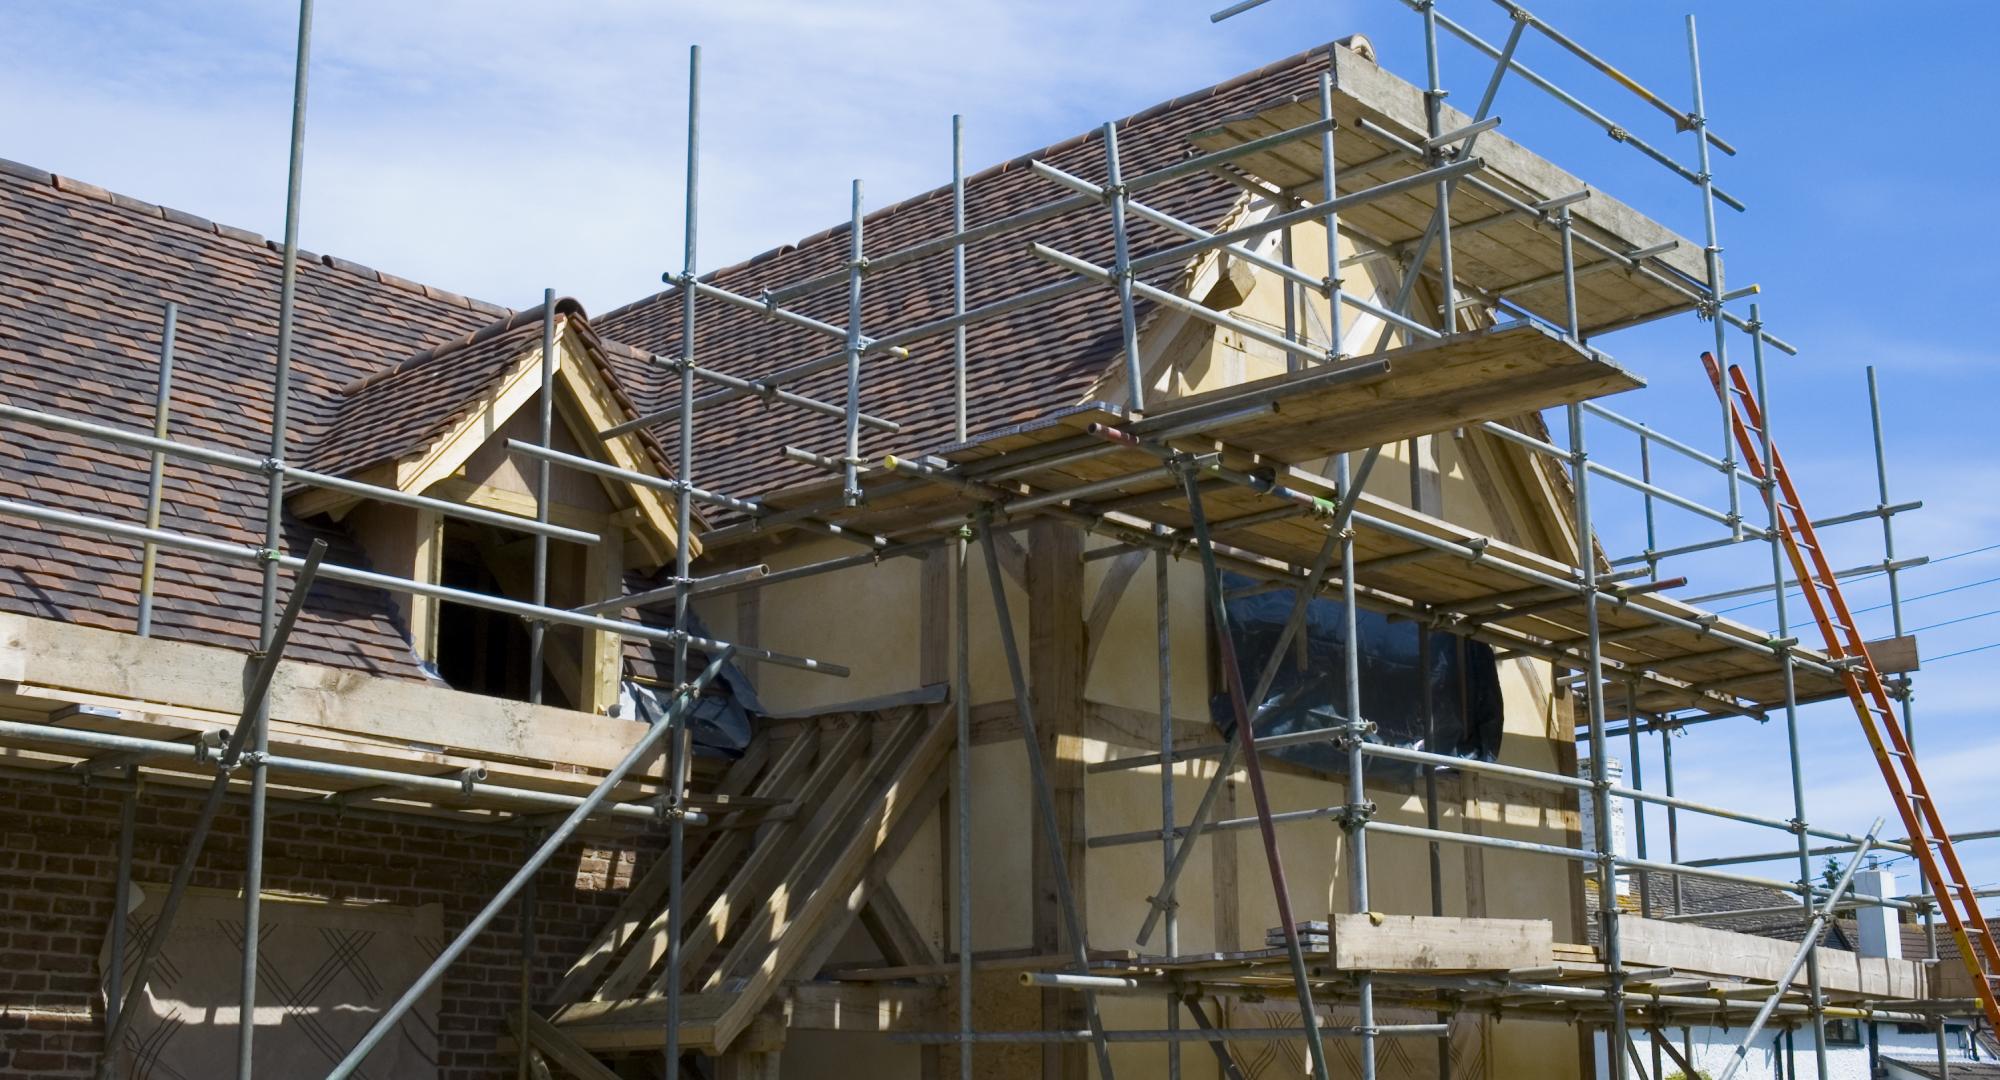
1928	1068
1711	901
382	364
399	411
1021	365
82	285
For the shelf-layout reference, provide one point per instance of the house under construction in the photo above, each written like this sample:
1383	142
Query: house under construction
1122	613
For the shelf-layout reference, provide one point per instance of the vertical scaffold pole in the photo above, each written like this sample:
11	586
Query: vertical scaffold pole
522	1069
114	980
1642	878
1329	166
1121	267
537	629
274	509
1785	663
1646	497
1607	859
1698	123
1888	532
1905	692
677	764
1673	812
1355	814
1433	813
163	396
962	652
1163	630
856	265
1246	737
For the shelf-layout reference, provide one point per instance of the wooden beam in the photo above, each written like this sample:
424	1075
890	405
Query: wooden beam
1687	947
839	817
642	900
779	859
1673	1052
1109	592
1013	557
603	660
702	934
874	886
895	934
637	1024
1055	679
1379	942
987	961
558	1047
1222	856
521	504
747	1065
182	675
792	938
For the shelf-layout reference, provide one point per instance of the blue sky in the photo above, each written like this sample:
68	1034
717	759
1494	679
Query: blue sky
497	147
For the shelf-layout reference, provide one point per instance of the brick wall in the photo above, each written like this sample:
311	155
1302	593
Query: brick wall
58	851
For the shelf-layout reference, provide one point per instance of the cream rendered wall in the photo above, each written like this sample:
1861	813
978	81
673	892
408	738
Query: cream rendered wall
868	619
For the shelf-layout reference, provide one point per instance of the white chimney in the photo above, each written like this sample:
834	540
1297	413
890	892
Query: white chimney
1880	934
1614	771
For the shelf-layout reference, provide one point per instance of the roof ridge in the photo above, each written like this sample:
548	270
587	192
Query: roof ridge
565	305
1018	161
86	190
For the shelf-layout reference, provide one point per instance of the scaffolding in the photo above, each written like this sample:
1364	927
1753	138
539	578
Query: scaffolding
1168	480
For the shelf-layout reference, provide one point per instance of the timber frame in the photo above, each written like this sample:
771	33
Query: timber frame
1493	278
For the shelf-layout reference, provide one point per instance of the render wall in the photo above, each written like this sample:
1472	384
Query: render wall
891	623
57	877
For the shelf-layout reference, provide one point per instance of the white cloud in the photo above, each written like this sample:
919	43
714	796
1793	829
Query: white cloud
493	148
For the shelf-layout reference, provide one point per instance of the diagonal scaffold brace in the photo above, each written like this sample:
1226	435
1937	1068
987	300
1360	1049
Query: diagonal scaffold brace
1239	706
641	752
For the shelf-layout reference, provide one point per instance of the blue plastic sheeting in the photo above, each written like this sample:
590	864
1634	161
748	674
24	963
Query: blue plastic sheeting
1463	680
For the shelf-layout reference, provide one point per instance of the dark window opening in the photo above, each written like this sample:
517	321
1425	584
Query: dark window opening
1441	694
479	650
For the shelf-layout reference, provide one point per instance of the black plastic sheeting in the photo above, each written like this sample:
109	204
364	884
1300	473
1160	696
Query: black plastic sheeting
720	725
1463	677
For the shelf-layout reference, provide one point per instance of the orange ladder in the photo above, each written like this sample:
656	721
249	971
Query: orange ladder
1870	696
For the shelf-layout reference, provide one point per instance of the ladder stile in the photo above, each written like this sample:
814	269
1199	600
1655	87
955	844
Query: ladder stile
1930	841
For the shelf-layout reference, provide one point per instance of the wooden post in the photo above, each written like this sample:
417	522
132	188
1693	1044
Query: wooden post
1056	649
427	567
747	1065
603	652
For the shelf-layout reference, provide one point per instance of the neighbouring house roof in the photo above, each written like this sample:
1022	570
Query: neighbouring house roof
1022	365
1929	1070
1712	902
